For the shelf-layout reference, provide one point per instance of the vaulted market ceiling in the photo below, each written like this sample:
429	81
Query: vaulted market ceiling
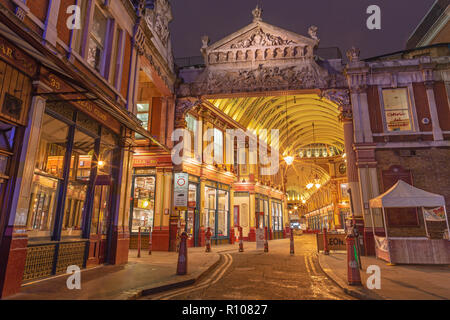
302	119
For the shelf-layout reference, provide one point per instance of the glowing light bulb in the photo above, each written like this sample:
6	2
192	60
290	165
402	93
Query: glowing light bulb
309	185
289	160
101	163
317	185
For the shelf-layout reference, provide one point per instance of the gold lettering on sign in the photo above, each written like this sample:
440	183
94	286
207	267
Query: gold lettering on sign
6	51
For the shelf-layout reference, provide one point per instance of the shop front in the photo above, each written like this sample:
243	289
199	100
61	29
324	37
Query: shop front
216	213
72	192
150	200
277	219
142	205
190	218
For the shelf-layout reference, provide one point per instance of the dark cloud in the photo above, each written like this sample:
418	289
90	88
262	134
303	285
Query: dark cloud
341	23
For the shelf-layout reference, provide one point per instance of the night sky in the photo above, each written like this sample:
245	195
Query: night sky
341	23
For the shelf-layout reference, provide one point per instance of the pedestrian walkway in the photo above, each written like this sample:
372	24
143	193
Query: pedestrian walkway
398	282
150	273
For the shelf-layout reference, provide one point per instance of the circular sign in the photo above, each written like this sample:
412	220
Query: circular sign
181	182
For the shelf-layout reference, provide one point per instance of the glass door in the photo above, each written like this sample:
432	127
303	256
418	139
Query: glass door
99	223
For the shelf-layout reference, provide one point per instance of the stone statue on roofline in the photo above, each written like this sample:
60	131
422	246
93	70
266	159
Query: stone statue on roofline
257	13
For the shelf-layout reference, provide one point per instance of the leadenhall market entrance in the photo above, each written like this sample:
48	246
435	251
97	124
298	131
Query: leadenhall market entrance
260	78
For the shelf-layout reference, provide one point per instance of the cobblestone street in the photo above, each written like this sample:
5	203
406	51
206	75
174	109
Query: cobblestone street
256	275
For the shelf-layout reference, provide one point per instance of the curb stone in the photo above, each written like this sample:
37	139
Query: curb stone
135	294
359	294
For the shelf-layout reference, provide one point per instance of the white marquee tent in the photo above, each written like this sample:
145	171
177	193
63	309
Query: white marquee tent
404	195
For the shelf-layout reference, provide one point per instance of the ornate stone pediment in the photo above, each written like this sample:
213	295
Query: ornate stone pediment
260	57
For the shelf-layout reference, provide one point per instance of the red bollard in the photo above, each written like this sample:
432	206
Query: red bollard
266	243
150	245
208	240
182	255
241	242
139	243
325	242
292	241
353	276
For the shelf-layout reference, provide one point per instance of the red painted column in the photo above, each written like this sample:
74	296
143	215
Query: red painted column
13	254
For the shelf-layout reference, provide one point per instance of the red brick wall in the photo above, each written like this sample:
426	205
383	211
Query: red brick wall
373	99
442	106
156	117
430	171
38	8
63	31
126	66
422	108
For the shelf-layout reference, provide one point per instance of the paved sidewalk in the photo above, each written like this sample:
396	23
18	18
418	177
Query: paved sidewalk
398	282
148	274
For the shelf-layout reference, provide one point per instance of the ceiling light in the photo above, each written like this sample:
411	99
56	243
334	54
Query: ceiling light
289	160
309	185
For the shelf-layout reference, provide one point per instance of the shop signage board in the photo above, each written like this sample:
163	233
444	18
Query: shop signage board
181	185
335	241
259	238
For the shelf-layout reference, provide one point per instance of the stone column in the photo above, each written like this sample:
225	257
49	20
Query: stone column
13	248
437	131
352	170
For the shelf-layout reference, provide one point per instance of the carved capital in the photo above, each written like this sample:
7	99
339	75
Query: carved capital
183	106
339	96
346	113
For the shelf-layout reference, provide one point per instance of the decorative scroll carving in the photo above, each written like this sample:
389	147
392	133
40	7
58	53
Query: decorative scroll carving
260	79
260	38
158	20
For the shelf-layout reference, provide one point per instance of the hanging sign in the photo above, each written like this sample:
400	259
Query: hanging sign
434	214
181	185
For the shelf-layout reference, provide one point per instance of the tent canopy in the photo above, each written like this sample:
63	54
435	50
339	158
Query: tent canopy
403	195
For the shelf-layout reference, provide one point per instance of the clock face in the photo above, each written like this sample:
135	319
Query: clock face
342	168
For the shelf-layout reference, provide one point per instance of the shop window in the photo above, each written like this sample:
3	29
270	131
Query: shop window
190	213
143	203
97	39
108	146
222	214
117	58
218	146
191	122
47	176
396	109
210	209
7	133
80	170
143	114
